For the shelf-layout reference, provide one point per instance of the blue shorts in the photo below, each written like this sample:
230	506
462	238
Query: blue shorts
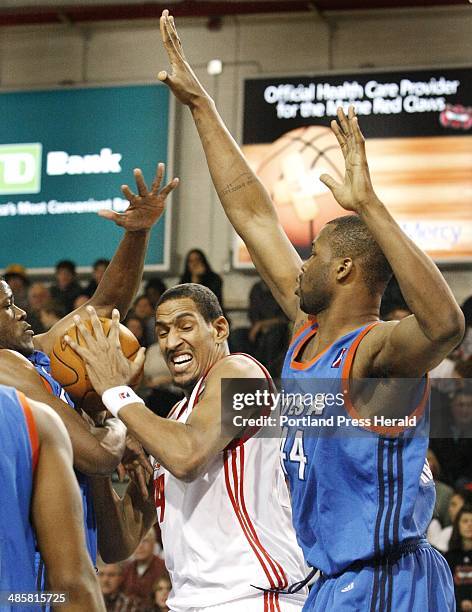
419	581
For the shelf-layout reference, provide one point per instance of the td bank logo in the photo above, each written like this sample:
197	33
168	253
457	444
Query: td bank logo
20	168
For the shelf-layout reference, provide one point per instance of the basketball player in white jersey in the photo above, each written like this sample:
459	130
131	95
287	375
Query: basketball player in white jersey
222	501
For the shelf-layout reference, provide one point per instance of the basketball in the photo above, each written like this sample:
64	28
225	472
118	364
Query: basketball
290	168
69	369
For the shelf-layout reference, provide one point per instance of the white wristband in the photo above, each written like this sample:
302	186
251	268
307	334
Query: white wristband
117	397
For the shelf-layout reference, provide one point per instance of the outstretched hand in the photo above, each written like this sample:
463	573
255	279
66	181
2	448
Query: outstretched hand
104	360
182	81
356	191
147	206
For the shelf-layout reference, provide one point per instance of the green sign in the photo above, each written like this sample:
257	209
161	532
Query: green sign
64	155
20	168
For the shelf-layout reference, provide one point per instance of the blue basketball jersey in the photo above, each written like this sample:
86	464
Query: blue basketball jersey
357	493
18	451
42	364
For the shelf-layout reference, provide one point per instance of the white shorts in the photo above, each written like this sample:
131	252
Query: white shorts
267	602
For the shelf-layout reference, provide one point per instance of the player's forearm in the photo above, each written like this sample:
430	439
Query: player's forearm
80	586
423	286
169	442
122	278
91	455
111	440
121	522
241	193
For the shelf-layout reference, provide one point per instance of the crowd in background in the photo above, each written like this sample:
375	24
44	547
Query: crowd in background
142	585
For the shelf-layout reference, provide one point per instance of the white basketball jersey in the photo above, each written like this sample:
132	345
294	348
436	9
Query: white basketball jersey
231	527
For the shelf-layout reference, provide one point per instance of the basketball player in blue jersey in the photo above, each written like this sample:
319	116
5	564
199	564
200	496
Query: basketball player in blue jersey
38	492
24	360
362	502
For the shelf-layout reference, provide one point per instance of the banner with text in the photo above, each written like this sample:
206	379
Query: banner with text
418	126
63	156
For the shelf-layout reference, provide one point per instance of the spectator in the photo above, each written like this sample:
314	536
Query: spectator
135	325
393	306
198	270
16	277
454	449
110	577
98	271
38	297
438	534
66	287
80	300
143	310
153	290
267	338
51	314
141	574
459	558
443	492
161	590
464	351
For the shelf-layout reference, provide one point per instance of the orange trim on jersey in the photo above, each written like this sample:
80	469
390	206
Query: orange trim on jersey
47	384
32	431
311	321
345	377
304	365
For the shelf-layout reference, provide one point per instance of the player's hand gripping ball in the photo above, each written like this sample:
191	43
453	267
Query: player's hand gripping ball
69	369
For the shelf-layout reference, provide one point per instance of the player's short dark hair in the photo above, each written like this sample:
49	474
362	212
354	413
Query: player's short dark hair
352	238
204	299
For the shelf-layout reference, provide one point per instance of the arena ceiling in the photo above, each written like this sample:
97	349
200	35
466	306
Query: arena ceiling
24	12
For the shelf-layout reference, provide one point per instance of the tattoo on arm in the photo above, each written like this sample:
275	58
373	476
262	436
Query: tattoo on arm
243	180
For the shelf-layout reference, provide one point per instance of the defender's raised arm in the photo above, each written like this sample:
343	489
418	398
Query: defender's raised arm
245	201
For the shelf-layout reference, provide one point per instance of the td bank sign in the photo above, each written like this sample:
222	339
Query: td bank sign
20	166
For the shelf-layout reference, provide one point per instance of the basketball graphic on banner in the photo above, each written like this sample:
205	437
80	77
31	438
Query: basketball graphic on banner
290	168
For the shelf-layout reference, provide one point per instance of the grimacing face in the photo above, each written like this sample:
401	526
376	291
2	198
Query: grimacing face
15	332
188	343
316	280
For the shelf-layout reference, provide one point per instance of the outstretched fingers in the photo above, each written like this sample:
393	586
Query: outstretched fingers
126	191
81	351
343	121
340	137
138	363
114	333
330	182
174	35
169	187
111	215
96	325
140	182
156	183
358	136
170	38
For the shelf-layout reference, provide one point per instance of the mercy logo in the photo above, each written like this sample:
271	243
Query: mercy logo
20	168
